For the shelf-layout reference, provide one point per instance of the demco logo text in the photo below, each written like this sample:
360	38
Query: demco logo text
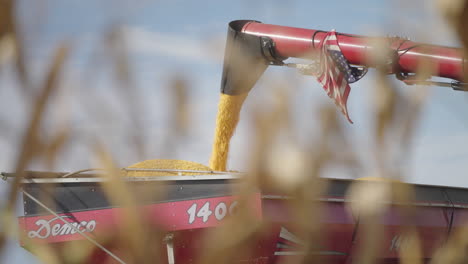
56	227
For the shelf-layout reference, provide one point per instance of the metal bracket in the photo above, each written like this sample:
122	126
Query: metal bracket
268	52
4	177
169	240
412	79
459	86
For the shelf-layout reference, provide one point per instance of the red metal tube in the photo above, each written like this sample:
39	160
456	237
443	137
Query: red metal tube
298	42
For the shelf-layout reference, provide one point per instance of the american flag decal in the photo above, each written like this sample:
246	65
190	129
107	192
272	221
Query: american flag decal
335	73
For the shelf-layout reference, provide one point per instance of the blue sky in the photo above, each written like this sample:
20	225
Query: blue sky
188	36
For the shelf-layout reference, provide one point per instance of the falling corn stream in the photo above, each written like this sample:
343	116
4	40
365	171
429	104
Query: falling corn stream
226	122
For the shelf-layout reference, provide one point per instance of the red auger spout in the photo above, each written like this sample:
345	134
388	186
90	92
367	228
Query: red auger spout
298	42
252	46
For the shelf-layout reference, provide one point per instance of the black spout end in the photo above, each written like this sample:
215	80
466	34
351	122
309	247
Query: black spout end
246	58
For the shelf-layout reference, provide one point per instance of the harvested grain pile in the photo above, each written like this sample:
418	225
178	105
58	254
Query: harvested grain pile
226	122
165	164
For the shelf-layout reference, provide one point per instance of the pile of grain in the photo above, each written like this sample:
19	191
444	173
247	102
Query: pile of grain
165	164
